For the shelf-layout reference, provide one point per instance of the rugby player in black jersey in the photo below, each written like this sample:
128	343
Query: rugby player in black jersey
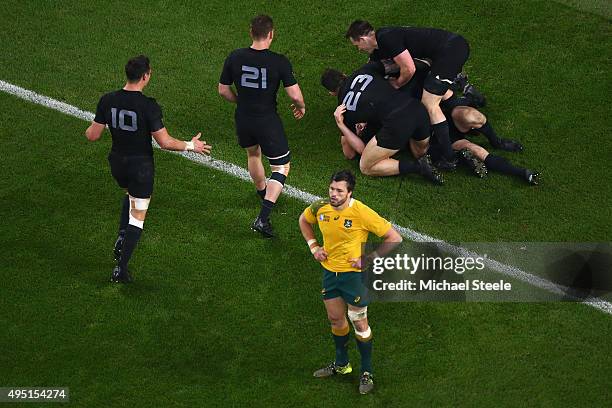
447	52
257	72
132	119
398	121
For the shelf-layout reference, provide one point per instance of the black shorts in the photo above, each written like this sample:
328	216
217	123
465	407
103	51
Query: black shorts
407	121
265	131
135	173
446	65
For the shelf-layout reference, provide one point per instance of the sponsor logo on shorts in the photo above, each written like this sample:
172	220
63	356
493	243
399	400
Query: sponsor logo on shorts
357	299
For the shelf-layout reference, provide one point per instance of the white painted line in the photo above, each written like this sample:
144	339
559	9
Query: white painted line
294	192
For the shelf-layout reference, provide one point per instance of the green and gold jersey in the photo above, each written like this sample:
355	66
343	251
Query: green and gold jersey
345	231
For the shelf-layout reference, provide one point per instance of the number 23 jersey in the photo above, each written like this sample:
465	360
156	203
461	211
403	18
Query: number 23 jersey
256	75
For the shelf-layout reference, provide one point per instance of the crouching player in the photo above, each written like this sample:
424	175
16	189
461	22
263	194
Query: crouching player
345	224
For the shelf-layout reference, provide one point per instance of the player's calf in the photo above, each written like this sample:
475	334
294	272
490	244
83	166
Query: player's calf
137	214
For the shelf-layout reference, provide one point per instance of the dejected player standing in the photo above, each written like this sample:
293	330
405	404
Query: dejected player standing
257	73
132	119
345	224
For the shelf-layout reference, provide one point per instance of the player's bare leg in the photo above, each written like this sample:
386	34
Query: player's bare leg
377	161
497	163
419	147
256	169
467	118
336	314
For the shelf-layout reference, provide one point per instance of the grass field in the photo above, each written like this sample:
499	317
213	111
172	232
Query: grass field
218	317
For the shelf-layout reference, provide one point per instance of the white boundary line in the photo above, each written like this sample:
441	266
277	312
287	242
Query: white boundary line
294	192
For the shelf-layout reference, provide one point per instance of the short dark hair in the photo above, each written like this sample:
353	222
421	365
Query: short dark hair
261	26
331	79
358	28
136	67
344	175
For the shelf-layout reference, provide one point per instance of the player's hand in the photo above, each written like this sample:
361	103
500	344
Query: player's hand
200	146
355	262
339	114
298	113
359	127
320	255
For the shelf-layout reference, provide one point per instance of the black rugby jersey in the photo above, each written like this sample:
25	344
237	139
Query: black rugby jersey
131	117
257	75
420	42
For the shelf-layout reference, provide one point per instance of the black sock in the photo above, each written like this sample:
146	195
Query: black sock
435	152
262	193
501	165
488	131
408	166
266	209
132	235
440	131
125	215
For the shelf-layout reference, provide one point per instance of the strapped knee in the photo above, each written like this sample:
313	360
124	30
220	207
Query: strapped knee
140	204
354	316
279	173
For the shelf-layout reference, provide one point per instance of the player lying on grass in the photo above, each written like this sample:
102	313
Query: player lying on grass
345	224
132	119
400	121
464	120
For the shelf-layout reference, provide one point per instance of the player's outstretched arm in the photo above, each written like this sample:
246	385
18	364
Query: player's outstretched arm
407	69
227	93
94	131
165	141
353	141
298	107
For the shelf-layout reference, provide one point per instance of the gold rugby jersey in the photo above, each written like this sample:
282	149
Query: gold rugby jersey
345	231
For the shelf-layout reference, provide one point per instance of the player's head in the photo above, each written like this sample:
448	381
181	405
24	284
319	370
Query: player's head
262	28
138	69
361	33
331	80
341	187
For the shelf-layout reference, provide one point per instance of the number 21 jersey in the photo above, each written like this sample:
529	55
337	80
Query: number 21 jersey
257	75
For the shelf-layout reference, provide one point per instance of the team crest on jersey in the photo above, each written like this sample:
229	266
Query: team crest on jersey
348	223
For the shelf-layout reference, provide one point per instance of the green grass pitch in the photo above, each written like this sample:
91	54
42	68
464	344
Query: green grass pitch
218	317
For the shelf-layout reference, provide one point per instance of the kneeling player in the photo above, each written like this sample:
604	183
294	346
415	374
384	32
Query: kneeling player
345	224
132	119
398	119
